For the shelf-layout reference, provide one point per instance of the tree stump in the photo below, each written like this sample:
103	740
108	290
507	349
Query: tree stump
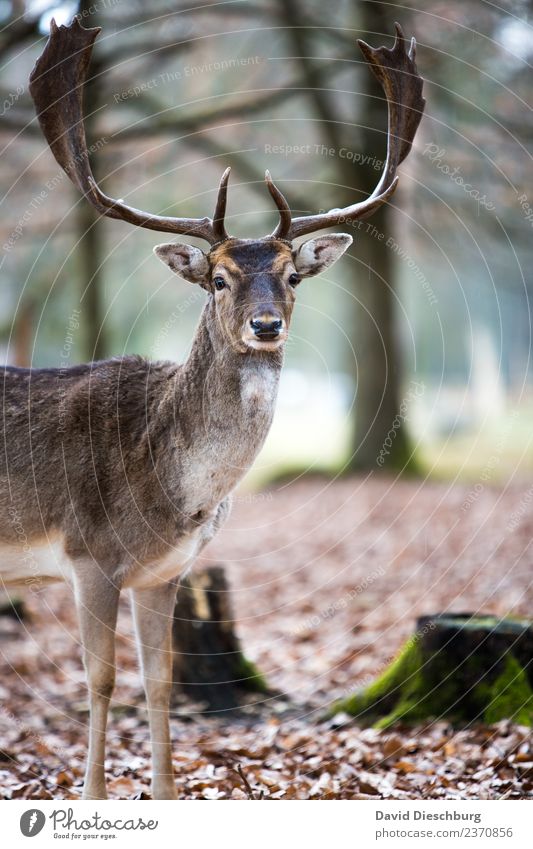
461	667
209	664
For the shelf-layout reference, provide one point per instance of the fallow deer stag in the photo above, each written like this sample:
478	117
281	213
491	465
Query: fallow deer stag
137	479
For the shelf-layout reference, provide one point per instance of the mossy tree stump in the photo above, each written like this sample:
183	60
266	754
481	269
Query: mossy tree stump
456	666
209	663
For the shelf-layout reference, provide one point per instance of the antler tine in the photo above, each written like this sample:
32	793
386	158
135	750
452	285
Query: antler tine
284	226
56	86
220	208
397	73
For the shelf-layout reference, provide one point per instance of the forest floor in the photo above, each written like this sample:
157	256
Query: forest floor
327	581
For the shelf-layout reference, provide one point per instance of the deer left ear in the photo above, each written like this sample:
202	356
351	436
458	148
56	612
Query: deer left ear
316	255
187	262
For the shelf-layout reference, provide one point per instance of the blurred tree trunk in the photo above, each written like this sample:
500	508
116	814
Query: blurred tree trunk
90	231
23	333
90	234
377	372
378	362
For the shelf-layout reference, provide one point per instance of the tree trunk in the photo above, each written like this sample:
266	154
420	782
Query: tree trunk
91	238
378	372
90	230
23	333
209	664
456	666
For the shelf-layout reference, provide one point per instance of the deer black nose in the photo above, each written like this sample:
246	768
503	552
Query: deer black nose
266	329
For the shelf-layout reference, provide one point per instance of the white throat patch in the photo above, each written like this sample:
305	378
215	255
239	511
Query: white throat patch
259	387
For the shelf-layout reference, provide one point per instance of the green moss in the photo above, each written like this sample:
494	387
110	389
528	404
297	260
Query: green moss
510	696
416	689
249	677
394	696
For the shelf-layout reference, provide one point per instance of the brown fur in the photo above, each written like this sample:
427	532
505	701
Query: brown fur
101	450
125	467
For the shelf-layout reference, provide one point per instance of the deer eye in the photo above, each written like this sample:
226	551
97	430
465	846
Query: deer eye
294	279
219	283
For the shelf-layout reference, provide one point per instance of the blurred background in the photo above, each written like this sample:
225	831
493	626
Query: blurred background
412	354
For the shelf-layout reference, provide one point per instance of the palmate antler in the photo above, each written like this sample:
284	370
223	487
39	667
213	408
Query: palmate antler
56	86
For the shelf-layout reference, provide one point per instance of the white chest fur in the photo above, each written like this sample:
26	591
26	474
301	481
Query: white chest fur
259	387
215	465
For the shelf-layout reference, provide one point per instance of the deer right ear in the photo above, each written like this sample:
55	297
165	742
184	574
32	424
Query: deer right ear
185	261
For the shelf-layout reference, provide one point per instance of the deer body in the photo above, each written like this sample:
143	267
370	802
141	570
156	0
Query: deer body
115	475
143	455
131	465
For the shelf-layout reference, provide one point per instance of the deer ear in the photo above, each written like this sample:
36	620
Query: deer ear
316	255
185	261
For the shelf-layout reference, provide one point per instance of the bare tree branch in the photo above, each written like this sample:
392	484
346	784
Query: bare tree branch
211	116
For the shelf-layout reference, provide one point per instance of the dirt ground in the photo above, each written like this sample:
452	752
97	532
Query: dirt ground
328	579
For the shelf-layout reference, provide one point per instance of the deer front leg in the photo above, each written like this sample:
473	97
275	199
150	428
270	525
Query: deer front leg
97	604
153	610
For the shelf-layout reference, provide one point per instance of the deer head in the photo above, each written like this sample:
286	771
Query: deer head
252	282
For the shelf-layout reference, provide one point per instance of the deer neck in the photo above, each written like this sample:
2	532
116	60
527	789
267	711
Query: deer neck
227	398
